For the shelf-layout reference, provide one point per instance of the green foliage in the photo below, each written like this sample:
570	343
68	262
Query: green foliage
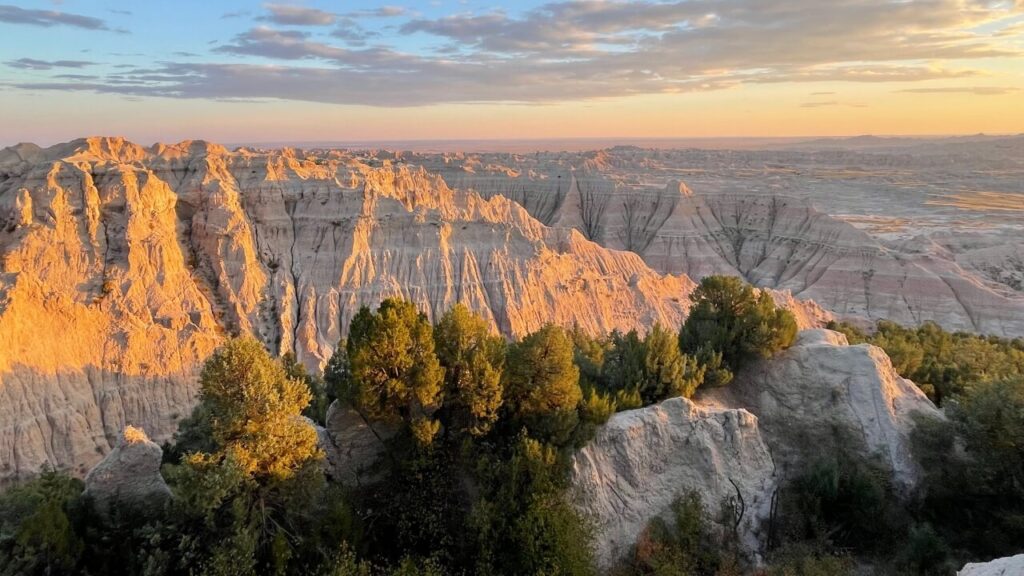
338	375
394	371
689	544
541	384
806	560
729	325
841	501
249	494
417	509
254	414
589	356
623	367
318	398
637	371
666	371
943	364
524	524
973	486
36	533
473	359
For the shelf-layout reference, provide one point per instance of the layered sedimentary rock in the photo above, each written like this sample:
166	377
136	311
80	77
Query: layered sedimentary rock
643	460
773	239
124	267
745	440
129	476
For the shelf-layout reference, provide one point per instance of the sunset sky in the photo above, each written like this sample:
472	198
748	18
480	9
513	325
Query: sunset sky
235	71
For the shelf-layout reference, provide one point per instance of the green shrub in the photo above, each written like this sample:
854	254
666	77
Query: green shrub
729	325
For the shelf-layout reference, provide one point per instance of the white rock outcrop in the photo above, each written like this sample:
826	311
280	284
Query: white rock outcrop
129	476
753	433
643	460
822	386
1009	566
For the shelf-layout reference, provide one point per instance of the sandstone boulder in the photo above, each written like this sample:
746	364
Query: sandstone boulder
129	476
643	460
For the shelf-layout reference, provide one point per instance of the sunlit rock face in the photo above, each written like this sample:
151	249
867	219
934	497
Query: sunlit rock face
124	267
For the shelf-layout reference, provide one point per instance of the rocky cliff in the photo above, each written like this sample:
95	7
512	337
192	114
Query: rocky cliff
123	267
773	240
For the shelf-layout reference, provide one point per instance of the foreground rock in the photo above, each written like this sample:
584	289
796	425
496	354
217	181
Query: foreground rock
1010	566
643	460
824	393
746	438
128	477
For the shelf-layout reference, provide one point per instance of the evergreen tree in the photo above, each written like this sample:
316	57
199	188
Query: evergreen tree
473	359
394	372
729	325
542	384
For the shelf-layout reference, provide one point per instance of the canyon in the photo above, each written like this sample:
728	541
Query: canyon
123	267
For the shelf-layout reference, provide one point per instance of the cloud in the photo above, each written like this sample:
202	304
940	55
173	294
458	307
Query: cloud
33	64
236	14
298	15
830	103
352	33
381	12
47	18
587	49
975	90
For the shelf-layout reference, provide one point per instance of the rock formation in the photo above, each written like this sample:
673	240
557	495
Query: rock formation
822	387
352	445
1010	566
747	438
124	267
643	460
772	237
129	476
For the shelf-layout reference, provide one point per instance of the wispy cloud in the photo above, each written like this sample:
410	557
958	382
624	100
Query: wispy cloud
975	90
381	12
34	64
289	15
47	18
831	103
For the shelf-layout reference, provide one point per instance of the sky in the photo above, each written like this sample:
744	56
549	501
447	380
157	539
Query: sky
317	70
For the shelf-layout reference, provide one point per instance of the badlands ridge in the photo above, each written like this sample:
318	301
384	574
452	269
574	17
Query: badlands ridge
122	267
